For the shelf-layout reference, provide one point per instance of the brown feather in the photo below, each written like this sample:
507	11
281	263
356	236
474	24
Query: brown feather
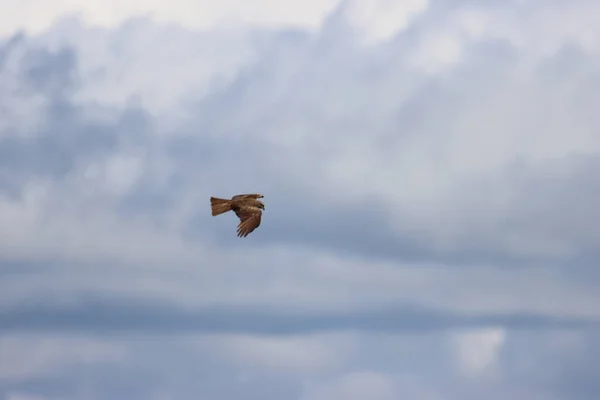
247	208
219	206
247	196
250	218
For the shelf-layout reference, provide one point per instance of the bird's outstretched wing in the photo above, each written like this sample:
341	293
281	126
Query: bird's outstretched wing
247	196
249	219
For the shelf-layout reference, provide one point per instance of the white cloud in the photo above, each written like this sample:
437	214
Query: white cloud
30	357
423	155
307	355
120	173
48	224
380	20
310	367
184	63
438	52
355	386
37	15
21	396
443	171
478	350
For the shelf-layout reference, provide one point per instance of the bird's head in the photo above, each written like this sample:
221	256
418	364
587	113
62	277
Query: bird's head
261	205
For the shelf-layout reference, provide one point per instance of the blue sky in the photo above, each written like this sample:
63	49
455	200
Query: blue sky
431	172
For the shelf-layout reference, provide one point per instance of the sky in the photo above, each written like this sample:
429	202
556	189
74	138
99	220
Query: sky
430	169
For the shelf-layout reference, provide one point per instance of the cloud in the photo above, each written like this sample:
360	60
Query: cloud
478	349
381	364
201	15
25	357
356	386
19	396
435	168
302	353
430	174
98	315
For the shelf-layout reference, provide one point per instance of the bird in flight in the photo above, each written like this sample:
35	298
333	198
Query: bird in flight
246	206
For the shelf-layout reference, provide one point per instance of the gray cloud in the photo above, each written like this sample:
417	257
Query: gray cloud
64	135
402	109
420	364
111	316
437	188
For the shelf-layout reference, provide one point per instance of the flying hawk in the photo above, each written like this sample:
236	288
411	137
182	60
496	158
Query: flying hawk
245	206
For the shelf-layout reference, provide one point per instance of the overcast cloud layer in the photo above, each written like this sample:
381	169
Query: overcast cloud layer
431	175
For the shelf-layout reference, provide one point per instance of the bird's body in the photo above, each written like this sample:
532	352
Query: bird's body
247	207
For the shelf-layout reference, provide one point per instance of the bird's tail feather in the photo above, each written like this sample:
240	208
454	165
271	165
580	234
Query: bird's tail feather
219	206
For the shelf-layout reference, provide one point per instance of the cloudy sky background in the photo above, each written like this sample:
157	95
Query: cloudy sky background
431	171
